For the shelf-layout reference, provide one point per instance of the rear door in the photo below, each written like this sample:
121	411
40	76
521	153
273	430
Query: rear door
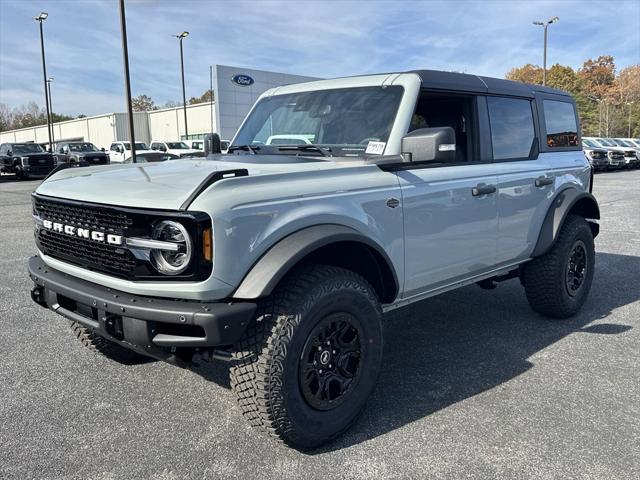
525	181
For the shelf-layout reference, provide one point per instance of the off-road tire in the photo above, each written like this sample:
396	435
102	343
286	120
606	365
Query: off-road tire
544	278
266	374
105	347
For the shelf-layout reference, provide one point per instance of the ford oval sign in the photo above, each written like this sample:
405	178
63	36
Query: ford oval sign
242	80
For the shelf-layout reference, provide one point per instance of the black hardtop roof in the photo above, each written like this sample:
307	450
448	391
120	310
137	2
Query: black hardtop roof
464	82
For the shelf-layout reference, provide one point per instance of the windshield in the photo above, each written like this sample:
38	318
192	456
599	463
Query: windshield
346	119
27	148
177	145
82	147
606	143
139	146
589	143
623	143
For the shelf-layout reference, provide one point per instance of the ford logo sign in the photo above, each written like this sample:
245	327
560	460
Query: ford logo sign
242	80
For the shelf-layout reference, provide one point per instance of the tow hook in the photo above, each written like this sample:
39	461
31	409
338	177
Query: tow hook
37	295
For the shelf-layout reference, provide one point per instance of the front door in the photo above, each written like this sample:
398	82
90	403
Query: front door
450	224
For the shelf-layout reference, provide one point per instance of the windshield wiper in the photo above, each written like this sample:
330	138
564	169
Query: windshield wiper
324	151
248	148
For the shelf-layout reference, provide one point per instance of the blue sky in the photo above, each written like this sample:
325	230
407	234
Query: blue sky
319	38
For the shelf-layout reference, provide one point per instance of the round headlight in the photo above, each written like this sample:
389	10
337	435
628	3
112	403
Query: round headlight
172	262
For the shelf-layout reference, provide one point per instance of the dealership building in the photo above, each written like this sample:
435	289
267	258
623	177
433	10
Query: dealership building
235	90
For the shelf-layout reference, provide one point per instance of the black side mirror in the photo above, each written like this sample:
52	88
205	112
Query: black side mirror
436	144
163	148
102	149
9	153
212	144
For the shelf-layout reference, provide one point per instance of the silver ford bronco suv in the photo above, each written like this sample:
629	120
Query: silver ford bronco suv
338	200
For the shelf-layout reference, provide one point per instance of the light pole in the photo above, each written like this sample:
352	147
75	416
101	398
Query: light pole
181	37
49	81
127	82
41	18
629	132
544	64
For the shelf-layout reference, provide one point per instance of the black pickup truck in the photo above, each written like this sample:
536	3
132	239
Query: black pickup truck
25	160
76	152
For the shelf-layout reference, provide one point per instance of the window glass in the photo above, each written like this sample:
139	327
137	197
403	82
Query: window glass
347	118
560	122
24	148
512	131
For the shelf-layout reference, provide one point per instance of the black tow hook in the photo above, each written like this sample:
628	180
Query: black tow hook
37	295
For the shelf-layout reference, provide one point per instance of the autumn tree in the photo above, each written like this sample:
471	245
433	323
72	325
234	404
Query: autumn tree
143	103
204	98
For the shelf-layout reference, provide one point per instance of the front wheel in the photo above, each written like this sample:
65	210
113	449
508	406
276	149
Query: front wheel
557	283
305	368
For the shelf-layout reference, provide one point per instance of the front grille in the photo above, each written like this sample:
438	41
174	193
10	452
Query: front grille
97	218
118	260
79	251
89	254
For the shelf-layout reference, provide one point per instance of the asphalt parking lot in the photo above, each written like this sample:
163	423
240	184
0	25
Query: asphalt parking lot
474	385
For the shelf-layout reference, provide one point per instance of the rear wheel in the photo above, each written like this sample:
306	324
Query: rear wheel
306	367
557	283
105	347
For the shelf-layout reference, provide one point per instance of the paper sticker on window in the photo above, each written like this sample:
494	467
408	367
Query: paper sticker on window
375	148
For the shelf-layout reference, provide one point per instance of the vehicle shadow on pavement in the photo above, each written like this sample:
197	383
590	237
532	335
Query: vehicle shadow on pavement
449	348
457	345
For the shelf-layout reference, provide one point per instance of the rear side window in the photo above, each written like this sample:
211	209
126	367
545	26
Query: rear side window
512	130
560	123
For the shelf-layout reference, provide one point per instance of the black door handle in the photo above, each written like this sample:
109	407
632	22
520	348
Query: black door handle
483	190
542	181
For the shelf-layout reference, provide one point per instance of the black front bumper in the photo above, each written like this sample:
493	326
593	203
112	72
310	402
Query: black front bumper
153	326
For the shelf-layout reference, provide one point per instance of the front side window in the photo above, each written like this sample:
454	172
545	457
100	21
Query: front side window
560	123
512	131
345	119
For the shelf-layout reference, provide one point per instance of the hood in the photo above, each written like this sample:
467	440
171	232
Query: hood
183	151
163	185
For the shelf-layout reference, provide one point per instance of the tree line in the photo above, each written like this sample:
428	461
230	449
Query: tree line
144	103
31	115
608	101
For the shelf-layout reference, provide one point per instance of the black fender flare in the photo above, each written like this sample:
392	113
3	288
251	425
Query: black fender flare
564	202
267	272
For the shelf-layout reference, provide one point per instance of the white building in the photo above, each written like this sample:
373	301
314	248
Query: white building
235	91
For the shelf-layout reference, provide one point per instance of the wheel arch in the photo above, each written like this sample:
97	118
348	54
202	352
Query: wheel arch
568	201
329	244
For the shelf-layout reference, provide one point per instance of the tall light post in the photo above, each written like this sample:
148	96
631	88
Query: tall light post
181	37
629	132
41	18
544	62
49	81
127	82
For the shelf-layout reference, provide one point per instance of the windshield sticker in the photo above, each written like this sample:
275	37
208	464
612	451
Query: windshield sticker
375	148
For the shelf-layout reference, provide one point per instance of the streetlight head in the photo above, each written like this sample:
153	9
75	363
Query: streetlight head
50	79
554	19
538	23
43	16
184	34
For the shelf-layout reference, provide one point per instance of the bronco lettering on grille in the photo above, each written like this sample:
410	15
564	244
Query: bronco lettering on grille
95	235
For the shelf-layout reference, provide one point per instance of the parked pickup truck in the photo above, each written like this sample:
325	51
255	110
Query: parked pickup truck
77	152
282	258
180	149
25	160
